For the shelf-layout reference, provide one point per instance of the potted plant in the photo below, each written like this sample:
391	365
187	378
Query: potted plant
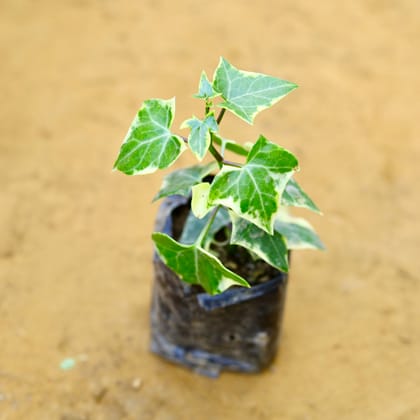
223	233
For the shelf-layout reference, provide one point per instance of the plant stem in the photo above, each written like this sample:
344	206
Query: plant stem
206	228
229	163
233	147
219	158
216	155
220	116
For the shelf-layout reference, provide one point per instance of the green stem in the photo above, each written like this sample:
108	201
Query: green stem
229	163
216	155
219	158
206	228
233	147
220	116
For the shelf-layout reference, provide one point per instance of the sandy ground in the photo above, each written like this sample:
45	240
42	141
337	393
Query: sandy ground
75	249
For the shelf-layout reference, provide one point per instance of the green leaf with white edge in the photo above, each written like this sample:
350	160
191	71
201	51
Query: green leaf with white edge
253	191
149	144
272	157
194	226
298	232
200	199
195	265
181	181
205	88
294	196
231	145
199	138
247	93
270	248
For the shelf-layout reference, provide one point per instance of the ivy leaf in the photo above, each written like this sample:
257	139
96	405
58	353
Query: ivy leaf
247	93
199	138
253	191
271	248
298	232
293	195
149	144
195	265
181	181
271	156
194	226
205	88
200	199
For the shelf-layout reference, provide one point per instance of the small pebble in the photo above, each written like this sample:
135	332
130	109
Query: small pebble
136	383
99	394
83	358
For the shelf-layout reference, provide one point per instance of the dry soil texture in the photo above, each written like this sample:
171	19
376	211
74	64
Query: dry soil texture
75	249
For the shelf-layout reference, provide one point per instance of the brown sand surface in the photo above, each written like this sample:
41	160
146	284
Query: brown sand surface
75	249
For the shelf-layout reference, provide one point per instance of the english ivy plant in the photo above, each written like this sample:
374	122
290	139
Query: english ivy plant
251	194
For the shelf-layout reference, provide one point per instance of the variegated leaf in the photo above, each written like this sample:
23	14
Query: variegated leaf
199	138
181	181
149	144
298	232
200	200
247	93
253	191
195	265
205	88
271	248
194	226
293	195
